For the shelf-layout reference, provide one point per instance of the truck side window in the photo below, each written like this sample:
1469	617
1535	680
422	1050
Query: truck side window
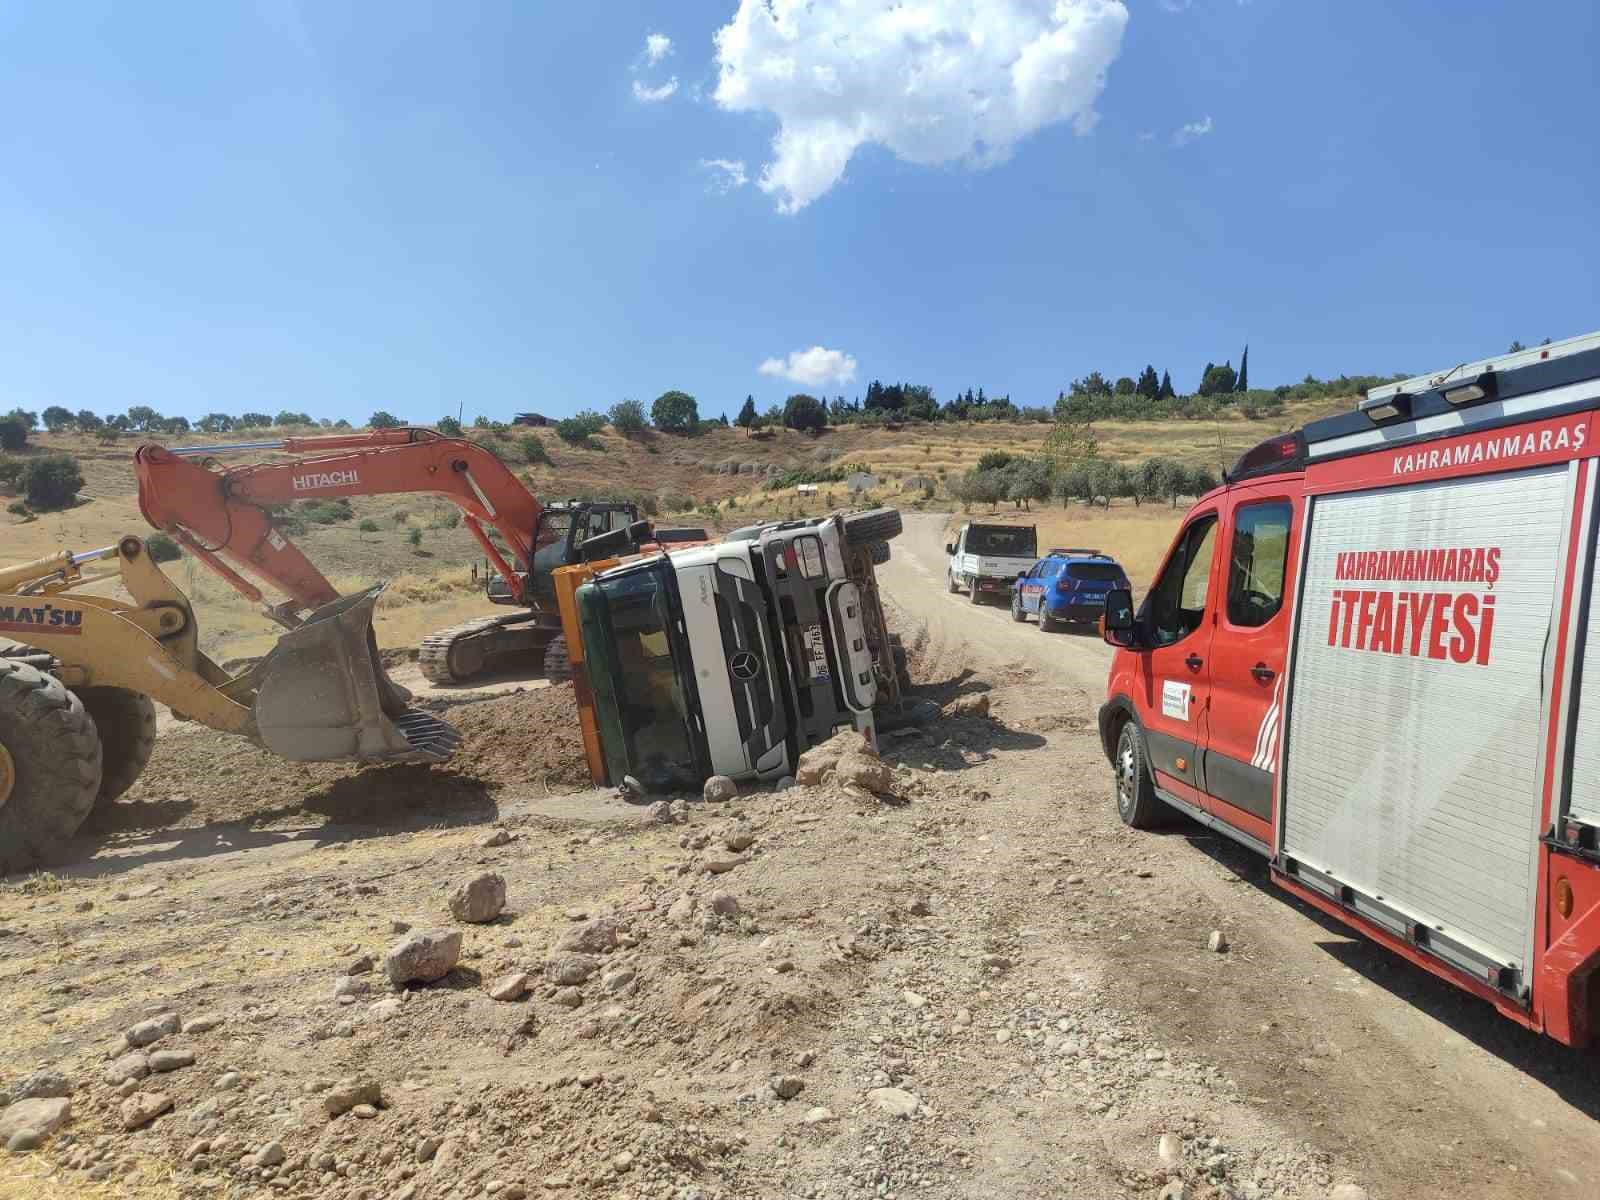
1178	600
1260	551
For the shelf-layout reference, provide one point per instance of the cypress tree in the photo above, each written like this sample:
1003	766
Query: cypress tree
1244	371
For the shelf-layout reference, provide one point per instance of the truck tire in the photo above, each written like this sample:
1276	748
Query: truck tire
874	525
950	582
972	591
879	552
49	766
126	723
1137	803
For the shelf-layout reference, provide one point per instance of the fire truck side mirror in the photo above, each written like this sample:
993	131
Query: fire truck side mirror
1118	626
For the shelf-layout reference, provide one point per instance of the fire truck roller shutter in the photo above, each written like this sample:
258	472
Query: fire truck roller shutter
1415	730
1584	721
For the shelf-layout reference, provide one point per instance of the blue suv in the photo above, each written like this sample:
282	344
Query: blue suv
1067	586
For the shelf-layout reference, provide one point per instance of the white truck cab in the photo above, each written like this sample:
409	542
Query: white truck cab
986	559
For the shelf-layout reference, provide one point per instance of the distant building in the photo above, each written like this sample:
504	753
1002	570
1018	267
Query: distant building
861	481
806	489
534	419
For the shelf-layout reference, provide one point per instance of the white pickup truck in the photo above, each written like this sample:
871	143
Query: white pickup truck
986	559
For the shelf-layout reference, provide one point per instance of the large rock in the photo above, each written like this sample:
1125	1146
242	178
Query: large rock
509	988
348	1093
816	762
139	1109
867	772
41	1116
423	957
719	788
592	937
133	1065
895	1102
41	1085
147	1033
976	705
479	900
569	970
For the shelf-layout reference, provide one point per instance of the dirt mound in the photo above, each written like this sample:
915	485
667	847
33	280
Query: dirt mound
199	776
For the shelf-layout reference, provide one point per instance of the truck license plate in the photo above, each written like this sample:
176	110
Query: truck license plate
816	653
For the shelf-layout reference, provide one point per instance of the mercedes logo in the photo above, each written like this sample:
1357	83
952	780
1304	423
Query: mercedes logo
744	665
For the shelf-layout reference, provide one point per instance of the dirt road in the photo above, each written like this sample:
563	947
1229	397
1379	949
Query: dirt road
982	985
1421	1090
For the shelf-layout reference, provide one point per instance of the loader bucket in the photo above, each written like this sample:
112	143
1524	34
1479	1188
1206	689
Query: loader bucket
323	696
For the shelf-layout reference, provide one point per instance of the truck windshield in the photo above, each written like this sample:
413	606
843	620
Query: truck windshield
633	657
1002	541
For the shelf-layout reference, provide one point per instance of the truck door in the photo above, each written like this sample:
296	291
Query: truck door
1176	683
1248	654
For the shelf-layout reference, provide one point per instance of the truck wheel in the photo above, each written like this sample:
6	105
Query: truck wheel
879	552
1016	608
126	722
972	591
1137	804
874	525
950	582
49	765
557	666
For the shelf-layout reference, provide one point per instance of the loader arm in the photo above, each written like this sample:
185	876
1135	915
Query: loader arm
222	512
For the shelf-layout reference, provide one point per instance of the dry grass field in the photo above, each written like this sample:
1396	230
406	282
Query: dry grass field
716	479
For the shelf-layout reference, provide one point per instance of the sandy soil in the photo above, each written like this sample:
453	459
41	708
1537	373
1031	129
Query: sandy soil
1029	978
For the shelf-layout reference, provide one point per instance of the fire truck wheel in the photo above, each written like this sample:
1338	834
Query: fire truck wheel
126	722
874	525
49	765
1137	804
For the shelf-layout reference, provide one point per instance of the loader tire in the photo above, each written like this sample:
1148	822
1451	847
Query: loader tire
557	666
126	722
49	766
874	525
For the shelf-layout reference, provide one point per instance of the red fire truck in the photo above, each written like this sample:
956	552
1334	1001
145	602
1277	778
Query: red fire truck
1365	658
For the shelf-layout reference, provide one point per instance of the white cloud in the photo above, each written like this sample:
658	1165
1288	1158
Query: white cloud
933	81
728	173
656	47
816	367
1194	129
1177	6
654	95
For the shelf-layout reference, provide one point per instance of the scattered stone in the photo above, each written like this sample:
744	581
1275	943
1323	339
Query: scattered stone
570	970
270	1155
24	1141
509	987
615	981
40	1116
683	909
577	914
147	1033
913	1001
228	1081
361	966
1218	942
921	907
866	772
1002	1036
895	1102
133	1065
963	1018
203	1024
398	926
567	997
350	986
350	1092
784	784
427	1148
738	837
719	789
1176	1189
1348	1191
41	1085
423	957
162	1061
820	1116
499	837
724	904
631	788
592	937
996	962
976	705
364	1112
479	900
721	864
386	1009
141	1108
816	763
620	1163
659	813
1170	1150
787	1087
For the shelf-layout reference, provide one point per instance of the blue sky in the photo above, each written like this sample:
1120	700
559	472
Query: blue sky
337	207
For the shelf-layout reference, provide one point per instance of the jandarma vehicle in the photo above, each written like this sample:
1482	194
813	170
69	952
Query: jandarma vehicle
1067	587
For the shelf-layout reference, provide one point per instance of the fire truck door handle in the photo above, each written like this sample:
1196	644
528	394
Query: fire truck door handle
1263	672
1194	662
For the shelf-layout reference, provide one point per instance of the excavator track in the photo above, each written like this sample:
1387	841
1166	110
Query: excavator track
451	657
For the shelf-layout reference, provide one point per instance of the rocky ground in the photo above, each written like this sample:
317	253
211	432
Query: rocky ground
948	972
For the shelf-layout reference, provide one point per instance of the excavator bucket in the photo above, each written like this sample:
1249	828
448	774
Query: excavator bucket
322	695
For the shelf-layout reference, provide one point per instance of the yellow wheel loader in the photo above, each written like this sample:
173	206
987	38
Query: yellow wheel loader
77	722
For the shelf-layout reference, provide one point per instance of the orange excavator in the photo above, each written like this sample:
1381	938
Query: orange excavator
224	515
